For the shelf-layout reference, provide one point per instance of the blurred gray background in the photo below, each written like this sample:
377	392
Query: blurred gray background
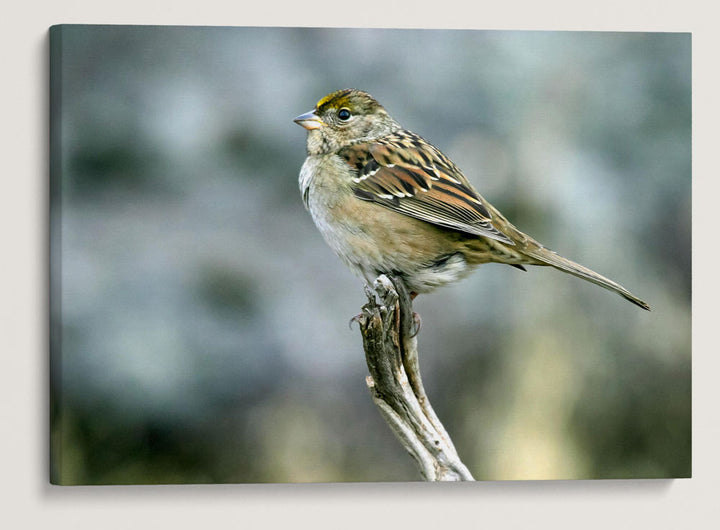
199	322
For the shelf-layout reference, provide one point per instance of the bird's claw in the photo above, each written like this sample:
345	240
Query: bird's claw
356	319
418	325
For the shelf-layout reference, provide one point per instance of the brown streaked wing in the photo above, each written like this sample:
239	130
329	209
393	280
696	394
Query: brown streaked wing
403	172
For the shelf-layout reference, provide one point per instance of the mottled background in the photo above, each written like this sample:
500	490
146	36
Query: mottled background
199	322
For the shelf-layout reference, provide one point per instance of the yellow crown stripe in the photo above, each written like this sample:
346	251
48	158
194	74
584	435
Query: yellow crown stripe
336	99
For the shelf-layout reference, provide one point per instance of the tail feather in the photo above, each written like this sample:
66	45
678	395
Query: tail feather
547	257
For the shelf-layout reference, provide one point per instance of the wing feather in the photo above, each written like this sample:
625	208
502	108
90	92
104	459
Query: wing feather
405	173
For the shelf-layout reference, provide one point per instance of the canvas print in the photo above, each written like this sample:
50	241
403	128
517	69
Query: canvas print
378	255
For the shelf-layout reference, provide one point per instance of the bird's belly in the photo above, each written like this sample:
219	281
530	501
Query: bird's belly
374	240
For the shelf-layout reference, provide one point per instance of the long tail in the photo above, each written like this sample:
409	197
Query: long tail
548	257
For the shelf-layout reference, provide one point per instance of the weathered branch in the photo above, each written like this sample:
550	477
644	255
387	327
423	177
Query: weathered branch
388	329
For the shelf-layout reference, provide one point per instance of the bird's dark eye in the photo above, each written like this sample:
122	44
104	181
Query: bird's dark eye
344	114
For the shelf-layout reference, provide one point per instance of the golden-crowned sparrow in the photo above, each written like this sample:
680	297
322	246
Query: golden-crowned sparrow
388	202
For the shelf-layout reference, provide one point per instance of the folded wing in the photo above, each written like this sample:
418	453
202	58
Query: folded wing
405	173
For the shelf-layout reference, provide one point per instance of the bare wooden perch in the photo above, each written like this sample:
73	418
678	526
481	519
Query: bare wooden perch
388	329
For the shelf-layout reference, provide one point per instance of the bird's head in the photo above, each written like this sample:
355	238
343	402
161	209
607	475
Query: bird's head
343	118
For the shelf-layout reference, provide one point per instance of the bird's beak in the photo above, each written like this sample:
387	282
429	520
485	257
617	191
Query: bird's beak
309	120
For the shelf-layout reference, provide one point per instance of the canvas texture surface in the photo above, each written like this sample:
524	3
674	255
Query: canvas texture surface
199	322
